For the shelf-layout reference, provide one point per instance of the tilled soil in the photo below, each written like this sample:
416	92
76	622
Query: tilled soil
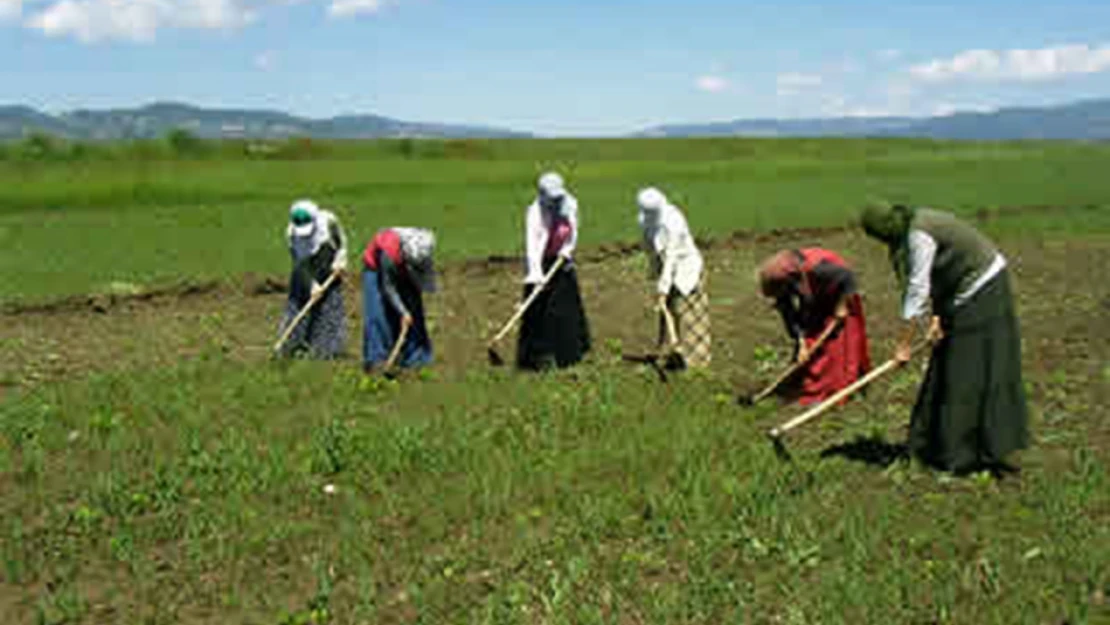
1063	301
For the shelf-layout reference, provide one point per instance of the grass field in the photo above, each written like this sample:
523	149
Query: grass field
156	467
78	226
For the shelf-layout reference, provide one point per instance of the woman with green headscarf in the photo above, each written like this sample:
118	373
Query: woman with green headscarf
970	412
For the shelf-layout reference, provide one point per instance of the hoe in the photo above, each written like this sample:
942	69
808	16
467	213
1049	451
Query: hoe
495	359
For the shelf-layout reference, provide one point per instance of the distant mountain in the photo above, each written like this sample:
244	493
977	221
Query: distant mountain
14	120
816	127
155	120
1088	120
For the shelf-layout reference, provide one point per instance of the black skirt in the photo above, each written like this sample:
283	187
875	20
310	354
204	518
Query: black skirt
554	331
971	411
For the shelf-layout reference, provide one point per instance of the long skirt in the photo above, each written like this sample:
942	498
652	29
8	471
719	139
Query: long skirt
322	333
971	412
554	330
381	325
841	360
691	319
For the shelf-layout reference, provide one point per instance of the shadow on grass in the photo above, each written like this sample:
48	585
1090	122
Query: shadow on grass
872	450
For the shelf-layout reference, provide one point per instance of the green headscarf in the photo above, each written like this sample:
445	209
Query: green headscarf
891	225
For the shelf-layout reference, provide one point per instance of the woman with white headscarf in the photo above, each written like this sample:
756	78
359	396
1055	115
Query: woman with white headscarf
397	270
318	249
554	330
678	268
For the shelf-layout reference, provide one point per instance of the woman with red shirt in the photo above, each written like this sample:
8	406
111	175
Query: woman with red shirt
397	270
815	293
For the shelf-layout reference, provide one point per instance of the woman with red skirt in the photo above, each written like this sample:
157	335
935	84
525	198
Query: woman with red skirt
815	293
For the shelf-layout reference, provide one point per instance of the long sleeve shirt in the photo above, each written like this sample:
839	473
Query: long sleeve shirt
923	250
316	255
331	239
676	259
336	234
390	275
539	225
805	309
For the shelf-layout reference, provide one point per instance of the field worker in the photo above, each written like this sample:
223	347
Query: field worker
554	330
814	291
679	270
318	248
970	412
397	270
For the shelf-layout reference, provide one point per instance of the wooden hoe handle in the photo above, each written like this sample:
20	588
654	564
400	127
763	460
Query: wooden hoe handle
304	311
528	302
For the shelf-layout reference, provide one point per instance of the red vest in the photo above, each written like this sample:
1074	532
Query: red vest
815	256
387	241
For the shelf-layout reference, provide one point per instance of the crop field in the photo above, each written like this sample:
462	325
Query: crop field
156	466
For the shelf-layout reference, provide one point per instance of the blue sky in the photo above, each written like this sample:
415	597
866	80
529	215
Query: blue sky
575	67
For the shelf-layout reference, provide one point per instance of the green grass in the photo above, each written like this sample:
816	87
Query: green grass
218	217
226	488
193	492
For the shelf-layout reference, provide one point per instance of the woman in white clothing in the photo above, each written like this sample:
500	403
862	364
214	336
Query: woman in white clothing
679	270
554	330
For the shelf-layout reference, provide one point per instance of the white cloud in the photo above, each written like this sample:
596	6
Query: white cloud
1016	65
850	66
136	20
889	54
794	83
91	21
10	9
711	84
266	60
351	8
943	109
835	105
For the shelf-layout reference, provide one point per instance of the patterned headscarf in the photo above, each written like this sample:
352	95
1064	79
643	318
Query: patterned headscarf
417	248
777	271
891	225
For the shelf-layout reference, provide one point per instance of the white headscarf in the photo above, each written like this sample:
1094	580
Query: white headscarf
417	248
306	239
551	186
652	204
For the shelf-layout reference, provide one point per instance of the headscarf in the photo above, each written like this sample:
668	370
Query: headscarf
552	191
891	225
777	271
551	186
306	238
652	203
417	249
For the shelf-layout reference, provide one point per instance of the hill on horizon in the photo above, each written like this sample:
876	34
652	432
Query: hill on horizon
1084	120
157	119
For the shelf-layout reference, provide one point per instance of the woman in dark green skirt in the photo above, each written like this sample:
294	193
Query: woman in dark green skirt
970	412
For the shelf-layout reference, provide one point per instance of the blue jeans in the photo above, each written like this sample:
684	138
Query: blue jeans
381	325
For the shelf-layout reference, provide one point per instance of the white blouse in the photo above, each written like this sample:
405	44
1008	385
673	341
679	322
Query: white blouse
676	257
537	224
